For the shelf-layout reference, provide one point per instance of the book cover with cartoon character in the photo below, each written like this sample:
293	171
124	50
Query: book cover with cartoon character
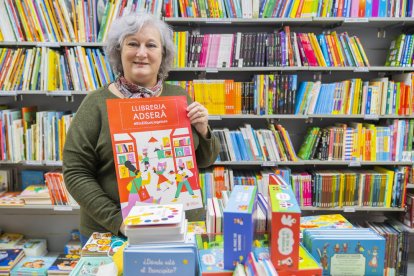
154	152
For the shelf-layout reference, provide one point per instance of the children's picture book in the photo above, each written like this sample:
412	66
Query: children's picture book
11	199
33	266
159	261
32	177
154	153
89	265
98	244
324	221
9	240
63	264
9	258
150	215
4	181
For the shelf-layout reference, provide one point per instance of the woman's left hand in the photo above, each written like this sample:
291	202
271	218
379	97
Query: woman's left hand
198	115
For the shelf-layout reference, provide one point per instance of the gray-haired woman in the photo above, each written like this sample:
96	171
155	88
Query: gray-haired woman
140	50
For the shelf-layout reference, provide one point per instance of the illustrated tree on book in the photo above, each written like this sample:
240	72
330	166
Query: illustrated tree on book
153	152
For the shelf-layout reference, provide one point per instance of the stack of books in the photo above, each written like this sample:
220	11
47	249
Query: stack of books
8	259
10	240
36	194
155	224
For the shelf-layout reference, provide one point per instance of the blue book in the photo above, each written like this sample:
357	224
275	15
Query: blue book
335	251
32	177
33	266
368	8
10	257
235	144
89	265
324	47
180	260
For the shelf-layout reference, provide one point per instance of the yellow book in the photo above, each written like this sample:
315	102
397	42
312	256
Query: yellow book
13	67
341	189
389	184
294	8
75	22
1	36
357	96
317	49
338	47
87	68
26	30
55	25
222	94
356	52
60	20
307	9
36	20
81	22
47	22
51	70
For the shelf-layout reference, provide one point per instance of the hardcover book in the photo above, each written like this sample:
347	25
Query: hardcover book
33	266
9	258
153	151
89	265
64	264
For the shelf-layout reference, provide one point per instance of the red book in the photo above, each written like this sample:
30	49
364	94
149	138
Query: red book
153	151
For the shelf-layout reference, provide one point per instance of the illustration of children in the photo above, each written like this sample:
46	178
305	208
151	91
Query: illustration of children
34	264
345	247
145	158
160	170
324	256
181	177
135	185
374	260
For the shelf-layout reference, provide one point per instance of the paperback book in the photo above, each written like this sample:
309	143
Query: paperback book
153	152
63	264
33	266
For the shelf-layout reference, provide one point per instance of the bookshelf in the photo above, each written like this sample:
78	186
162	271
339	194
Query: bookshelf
375	33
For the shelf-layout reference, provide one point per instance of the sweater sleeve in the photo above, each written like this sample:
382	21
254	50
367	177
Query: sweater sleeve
82	165
207	150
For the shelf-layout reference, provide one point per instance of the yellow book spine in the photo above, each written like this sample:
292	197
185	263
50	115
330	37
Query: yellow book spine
55	25
317	49
294	8
23	19
338	48
36	20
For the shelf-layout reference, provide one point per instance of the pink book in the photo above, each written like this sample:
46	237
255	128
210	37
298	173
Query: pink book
307	47
203	53
354	8
375	5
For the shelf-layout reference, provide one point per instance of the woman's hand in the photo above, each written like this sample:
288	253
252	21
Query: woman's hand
198	116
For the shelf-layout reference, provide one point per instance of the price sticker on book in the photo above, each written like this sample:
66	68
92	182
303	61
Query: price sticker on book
371	117
356	20
349	209
63	208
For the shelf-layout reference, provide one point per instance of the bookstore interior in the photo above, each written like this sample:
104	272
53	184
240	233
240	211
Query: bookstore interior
304	183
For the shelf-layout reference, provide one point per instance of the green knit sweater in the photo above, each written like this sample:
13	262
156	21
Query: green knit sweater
88	165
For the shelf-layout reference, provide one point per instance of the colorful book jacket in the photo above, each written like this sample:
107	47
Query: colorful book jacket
33	266
9	257
153	151
64	263
89	265
324	221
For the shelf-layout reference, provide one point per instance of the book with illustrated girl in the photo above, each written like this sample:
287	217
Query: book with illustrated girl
154	153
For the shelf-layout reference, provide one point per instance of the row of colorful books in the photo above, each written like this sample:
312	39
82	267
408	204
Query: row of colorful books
359	142
401	51
282	94
26	134
286	9
380	96
65	21
281	48
248	144
380	187
356	142
41	68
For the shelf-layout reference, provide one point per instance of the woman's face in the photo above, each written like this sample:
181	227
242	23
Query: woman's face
141	56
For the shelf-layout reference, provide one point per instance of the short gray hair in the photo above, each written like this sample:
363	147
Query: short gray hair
130	24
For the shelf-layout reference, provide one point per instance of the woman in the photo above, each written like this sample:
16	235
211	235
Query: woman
140	50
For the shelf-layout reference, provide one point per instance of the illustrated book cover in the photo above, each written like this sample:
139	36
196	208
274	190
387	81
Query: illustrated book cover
33	266
153	150
64	264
